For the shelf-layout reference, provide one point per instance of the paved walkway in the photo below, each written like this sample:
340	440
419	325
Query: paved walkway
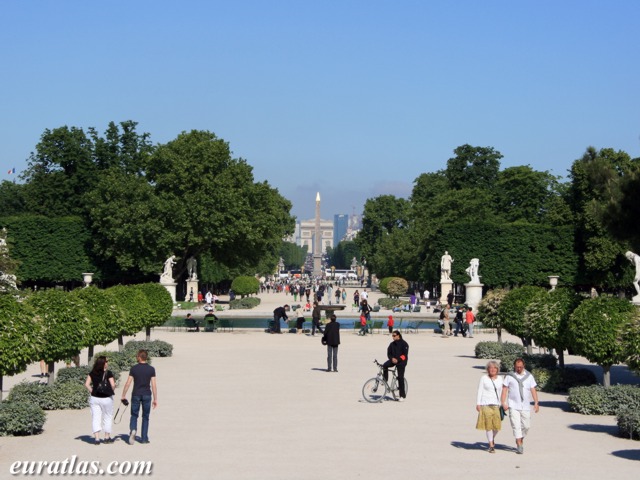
247	405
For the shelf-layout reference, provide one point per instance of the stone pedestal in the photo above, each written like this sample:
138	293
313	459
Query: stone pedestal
192	284
171	288
636	300
446	286
474	295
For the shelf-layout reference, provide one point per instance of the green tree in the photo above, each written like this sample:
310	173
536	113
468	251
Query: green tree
512	310
20	337
475	167
101	315
12	198
64	327
344	253
596	328
245	285
134	305
382	215
547	320
595	180
293	255
160	306
489	311
194	199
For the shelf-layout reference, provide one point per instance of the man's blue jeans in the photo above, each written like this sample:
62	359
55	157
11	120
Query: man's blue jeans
136	401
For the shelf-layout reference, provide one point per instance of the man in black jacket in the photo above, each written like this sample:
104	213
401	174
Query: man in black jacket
315	319
331	339
279	313
398	355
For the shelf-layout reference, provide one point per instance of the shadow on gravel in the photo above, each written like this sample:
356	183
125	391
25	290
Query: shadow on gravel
86	439
562	405
587	427
627	454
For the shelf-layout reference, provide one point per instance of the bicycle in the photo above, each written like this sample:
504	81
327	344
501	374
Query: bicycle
375	389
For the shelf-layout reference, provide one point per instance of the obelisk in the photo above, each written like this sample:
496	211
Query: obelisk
317	245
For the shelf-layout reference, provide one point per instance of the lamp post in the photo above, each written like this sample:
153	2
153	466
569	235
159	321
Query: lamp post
333	272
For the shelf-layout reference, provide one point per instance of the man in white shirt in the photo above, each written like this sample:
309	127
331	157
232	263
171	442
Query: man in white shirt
520	389
364	295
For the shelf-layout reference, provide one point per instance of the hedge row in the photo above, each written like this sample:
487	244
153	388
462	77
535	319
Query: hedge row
598	400
244	303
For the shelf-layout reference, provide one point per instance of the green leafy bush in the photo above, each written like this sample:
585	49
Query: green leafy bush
598	400
79	374
60	396
244	303
382	285
495	350
557	380
155	348
389	303
245	285
21	418
160	303
628	421
119	361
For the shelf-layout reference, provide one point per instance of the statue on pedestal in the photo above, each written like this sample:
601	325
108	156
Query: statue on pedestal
635	259
167	274
445	266
192	268
472	271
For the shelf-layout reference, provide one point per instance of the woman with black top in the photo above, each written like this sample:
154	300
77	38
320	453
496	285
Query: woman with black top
101	385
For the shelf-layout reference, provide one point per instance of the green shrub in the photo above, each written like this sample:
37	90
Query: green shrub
494	350
543	378
531	361
244	303
21	418
397	286
60	396
245	285
382	285
79	374
389	303
598	400
66	395
628	421
119	361
155	348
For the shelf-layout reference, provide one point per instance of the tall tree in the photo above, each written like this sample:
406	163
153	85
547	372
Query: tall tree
473	167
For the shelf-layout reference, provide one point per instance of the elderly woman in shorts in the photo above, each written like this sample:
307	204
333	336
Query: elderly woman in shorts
488	403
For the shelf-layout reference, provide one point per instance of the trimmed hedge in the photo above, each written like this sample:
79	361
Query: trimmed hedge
155	348
556	380
119	361
389	303
79	374
244	303
21	418
628	421
598	400
495	350
60	396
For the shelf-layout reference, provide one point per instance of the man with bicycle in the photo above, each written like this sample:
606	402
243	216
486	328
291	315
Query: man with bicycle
398	355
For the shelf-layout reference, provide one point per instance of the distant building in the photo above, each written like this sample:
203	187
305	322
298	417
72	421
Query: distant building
340	227
307	234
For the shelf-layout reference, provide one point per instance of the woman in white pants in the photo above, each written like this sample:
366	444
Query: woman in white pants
101	385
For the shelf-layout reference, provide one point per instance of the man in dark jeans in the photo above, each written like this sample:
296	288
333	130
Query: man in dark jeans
331	339
398	355
315	319
279	313
143	377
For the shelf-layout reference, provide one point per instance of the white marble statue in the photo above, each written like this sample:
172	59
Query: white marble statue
635	259
192	268
445	266
472	271
167	274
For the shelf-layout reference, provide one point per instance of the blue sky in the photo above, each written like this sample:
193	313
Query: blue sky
350	98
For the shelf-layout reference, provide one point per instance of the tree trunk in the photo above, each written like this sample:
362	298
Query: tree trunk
499	330
148	334
51	369
120	343
1	377
90	354
606	375
561	358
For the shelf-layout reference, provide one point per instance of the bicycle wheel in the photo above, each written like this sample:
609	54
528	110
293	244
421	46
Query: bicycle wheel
374	390
396	388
